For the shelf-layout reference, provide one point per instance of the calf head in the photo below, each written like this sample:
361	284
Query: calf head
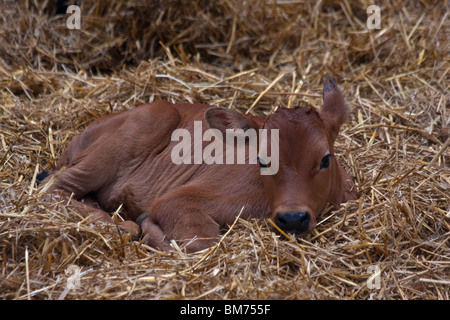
309	176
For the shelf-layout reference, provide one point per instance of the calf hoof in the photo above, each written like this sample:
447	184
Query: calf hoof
152	233
131	228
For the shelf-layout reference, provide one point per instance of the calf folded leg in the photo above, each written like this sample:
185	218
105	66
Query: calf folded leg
183	217
87	207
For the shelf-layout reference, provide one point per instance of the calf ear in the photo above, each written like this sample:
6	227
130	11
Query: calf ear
334	108
223	119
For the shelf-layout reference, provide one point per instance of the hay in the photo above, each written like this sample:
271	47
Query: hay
254	57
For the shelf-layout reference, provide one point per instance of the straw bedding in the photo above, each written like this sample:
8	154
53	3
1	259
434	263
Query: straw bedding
257	55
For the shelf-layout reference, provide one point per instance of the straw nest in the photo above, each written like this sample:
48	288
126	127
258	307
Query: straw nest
239	54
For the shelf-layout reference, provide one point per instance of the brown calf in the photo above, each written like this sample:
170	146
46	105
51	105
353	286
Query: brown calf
126	158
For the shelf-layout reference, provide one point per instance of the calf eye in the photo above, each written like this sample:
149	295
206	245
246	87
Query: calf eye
325	163
262	164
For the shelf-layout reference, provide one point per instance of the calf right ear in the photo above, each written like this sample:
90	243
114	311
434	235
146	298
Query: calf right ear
334	108
223	119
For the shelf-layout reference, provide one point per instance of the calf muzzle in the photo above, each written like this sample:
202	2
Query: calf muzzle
293	222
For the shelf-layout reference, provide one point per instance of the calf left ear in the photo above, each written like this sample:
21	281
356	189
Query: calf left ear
223	119
334	107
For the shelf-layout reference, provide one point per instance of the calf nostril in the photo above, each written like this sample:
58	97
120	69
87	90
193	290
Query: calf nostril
303	217
281	221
